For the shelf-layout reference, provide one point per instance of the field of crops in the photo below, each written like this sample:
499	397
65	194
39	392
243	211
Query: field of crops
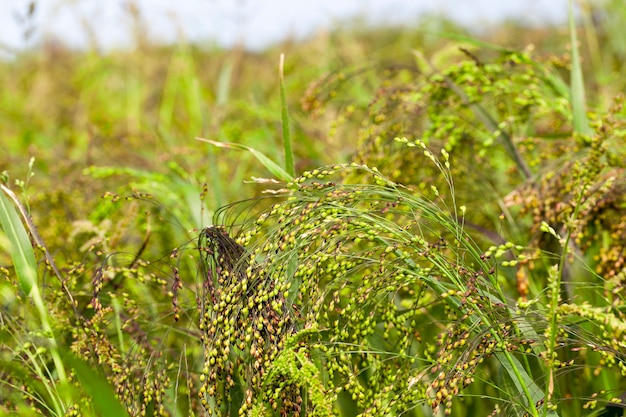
370	222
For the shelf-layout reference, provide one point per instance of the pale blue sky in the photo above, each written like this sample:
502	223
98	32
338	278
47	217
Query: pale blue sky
256	22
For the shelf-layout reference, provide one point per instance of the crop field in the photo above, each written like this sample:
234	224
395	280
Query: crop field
373	221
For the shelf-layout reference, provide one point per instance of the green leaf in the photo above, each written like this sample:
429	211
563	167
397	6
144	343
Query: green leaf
524	383
581	123
21	249
289	164
271	166
97	387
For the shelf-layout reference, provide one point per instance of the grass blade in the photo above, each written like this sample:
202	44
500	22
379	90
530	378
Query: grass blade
25	265
581	123
524	383
289	164
22	252
97	387
271	166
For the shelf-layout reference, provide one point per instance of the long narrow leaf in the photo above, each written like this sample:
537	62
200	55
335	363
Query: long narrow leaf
516	370
581	123
97	387
25	265
22	252
289	164
271	166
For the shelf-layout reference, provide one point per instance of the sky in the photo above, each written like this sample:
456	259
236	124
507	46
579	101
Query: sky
256	23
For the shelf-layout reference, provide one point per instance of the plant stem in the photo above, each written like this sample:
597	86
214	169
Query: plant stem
289	164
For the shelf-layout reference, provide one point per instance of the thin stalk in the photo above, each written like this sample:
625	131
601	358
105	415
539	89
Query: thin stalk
289	164
554	300
581	123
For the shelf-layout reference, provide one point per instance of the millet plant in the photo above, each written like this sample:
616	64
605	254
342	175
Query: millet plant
469	262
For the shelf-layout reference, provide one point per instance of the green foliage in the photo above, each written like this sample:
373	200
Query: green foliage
375	268
21	250
271	166
469	262
97	387
286	128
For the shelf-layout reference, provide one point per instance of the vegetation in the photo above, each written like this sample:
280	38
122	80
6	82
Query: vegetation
382	222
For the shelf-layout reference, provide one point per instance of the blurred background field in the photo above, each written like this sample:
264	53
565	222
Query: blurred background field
101	146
